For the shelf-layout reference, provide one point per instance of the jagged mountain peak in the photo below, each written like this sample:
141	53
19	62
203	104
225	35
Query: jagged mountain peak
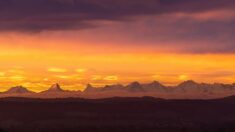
88	86
54	88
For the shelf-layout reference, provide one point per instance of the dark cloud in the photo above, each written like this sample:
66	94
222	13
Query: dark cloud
37	15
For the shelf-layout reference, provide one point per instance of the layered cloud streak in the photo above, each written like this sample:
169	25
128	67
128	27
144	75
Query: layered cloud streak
37	15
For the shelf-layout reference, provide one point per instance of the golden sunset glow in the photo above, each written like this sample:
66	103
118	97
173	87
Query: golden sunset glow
56	70
37	69
72	50
117	65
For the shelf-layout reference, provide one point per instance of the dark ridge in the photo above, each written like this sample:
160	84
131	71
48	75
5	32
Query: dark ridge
71	99
22	99
145	114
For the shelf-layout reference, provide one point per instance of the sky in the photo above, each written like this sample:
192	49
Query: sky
103	42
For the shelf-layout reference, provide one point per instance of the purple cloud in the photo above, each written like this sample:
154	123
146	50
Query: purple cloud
37	15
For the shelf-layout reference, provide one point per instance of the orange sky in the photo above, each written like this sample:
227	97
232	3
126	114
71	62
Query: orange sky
106	42
37	63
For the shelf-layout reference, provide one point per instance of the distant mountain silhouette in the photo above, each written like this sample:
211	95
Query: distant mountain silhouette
107	88
187	89
135	87
189	85
154	87
90	88
55	88
192	86
117	87
17	90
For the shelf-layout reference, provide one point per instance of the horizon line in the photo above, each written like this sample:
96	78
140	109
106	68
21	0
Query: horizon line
124	85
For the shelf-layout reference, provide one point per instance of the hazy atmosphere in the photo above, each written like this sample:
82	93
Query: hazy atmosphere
75	42
117	65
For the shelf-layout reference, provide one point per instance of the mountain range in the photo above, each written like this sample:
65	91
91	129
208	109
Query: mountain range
187	89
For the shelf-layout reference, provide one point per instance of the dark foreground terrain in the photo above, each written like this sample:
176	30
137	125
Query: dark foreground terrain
117	115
